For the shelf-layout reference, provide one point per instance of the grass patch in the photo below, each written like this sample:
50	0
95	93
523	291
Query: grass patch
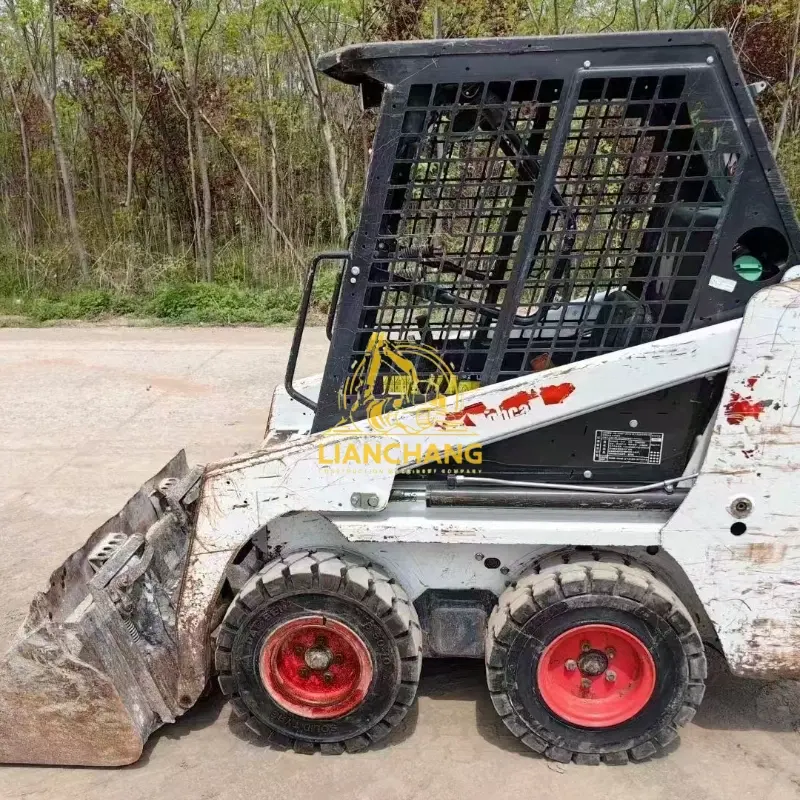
212	303
89	304
176	303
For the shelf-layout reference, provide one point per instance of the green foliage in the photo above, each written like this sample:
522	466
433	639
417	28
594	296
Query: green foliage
87	305
126	88
182	303
223	304
324	285
789	162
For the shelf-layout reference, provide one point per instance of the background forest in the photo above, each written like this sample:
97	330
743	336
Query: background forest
181	158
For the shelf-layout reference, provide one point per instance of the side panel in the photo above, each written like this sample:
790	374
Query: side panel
287	417
737	535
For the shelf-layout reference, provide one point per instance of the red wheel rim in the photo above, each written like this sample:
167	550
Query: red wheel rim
596	676
315	667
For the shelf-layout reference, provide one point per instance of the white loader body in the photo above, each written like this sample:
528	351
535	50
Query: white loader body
285	497
750	597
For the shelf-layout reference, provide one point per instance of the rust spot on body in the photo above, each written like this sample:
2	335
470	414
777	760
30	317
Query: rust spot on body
765	552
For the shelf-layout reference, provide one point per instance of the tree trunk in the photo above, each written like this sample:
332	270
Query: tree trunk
637	22
437	21
198	237
336	184
273	160
97	186
50	101
202	167
163	187
131	143
67	185
27	222
199	161
781	128
303	51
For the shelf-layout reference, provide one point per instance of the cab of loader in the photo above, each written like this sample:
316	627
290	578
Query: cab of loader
530	205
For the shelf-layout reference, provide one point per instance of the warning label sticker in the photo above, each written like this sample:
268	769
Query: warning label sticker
628	447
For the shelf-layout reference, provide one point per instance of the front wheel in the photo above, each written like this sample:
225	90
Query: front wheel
320	652
594	661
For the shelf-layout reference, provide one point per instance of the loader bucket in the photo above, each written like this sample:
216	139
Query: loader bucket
88	676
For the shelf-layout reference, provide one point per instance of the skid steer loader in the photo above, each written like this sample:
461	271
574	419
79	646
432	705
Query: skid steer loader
557	429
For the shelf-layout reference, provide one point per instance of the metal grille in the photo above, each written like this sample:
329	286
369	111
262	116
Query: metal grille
641	185
531	202
460	191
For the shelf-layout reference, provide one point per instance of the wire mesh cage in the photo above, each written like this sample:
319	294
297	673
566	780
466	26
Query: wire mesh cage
518	219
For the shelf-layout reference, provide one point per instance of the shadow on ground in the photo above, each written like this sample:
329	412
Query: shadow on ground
402	732
730	704
744	704
204	713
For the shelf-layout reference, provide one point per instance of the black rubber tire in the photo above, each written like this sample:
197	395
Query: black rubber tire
358	594
558	596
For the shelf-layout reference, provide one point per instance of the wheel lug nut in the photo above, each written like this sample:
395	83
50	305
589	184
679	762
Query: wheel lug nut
299	650
571	664
321	641
585	647
586	684
304	672
338	659
611	675
610	652
328	677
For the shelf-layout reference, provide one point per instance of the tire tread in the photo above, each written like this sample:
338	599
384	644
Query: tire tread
551	582
355	579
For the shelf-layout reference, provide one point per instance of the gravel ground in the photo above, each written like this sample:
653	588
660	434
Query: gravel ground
90	412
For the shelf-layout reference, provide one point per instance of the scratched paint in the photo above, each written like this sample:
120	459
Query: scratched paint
749	583
513	405
521	401
739	408
465	414
553	395
516	402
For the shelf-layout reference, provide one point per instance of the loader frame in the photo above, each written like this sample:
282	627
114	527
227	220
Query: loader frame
248	495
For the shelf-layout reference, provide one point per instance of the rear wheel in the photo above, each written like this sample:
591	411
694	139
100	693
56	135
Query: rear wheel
319	651
594	661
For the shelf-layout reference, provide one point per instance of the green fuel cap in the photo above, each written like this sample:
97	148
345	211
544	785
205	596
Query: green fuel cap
748	268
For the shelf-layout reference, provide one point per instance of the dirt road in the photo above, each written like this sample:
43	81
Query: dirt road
86	414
